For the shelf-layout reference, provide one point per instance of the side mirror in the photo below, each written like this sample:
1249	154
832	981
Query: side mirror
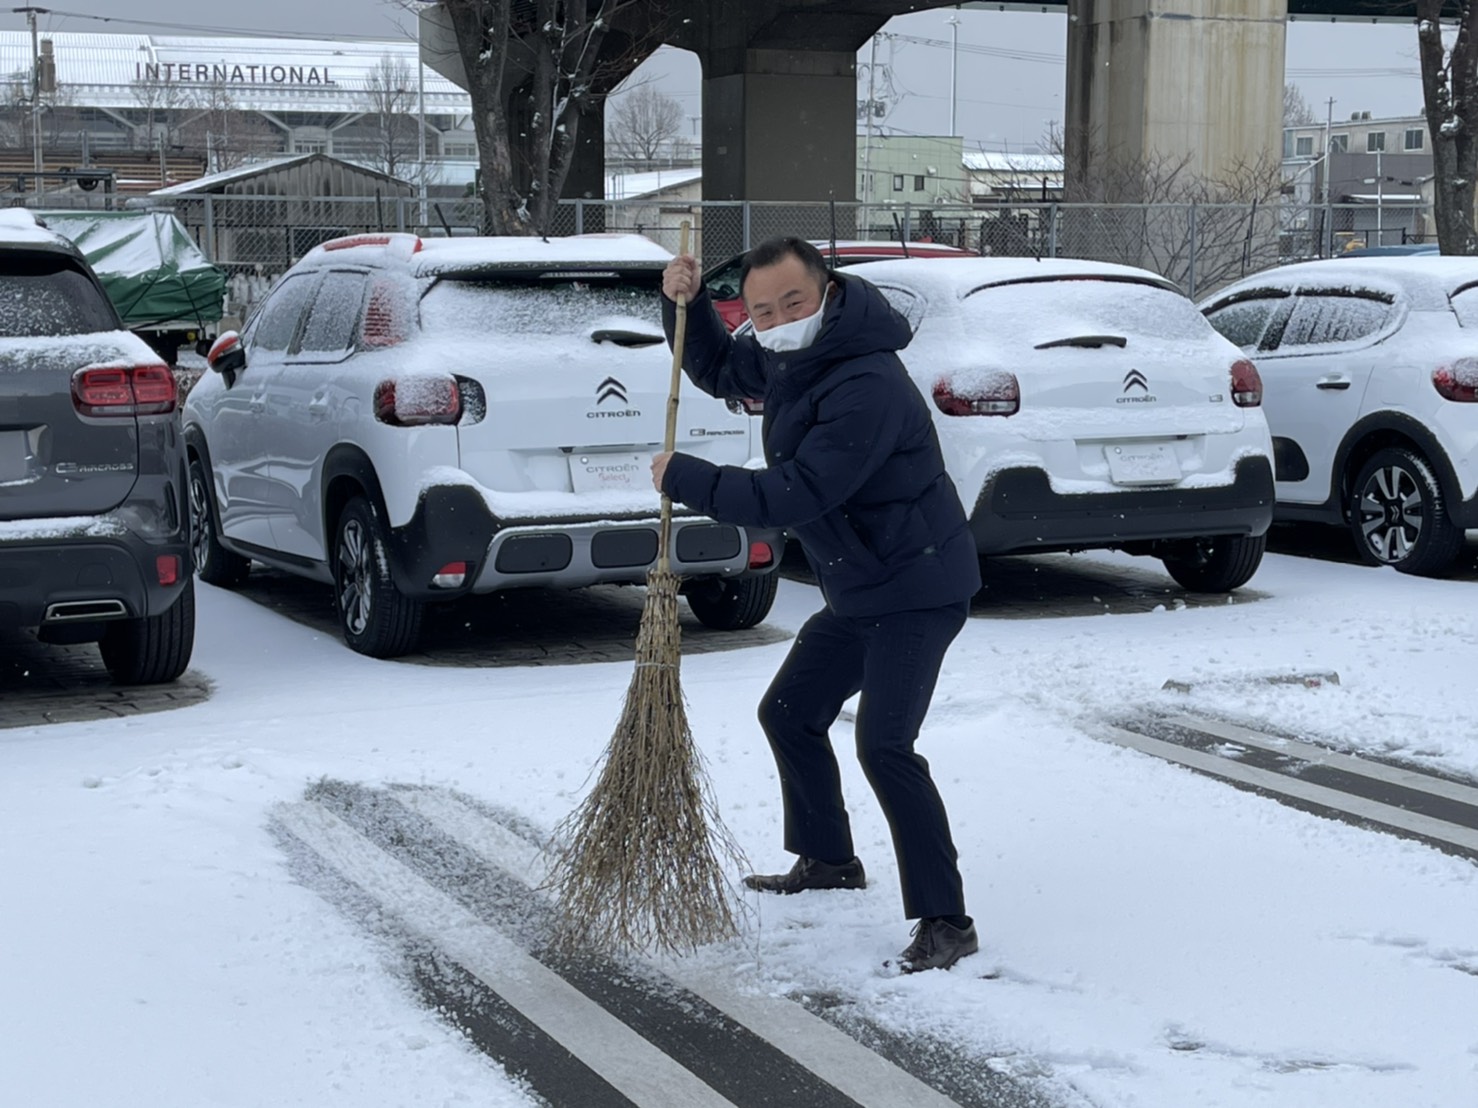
226	355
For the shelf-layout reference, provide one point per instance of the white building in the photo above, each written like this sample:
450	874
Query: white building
206	104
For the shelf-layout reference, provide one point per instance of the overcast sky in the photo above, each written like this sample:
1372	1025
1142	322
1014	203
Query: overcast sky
1003	101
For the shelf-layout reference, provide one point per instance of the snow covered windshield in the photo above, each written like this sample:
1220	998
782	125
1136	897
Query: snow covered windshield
1062	308
45	296
575	302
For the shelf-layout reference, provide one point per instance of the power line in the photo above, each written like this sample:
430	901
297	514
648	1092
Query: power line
335	36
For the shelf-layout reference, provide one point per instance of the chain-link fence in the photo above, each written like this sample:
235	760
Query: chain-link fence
1198	246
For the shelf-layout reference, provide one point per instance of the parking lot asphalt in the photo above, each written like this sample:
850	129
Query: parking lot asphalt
42	684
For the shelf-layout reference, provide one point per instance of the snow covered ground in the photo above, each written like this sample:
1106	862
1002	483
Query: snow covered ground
1163	940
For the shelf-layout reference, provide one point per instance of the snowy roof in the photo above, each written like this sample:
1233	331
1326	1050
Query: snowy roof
961	275
255	169
994	161
628	186
17	225
440	255
262	74
1426	279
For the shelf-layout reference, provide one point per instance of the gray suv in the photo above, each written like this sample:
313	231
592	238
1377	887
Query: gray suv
94	511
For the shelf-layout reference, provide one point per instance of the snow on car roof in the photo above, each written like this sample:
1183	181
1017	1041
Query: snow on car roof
635	251
1425	280
964	274
17	225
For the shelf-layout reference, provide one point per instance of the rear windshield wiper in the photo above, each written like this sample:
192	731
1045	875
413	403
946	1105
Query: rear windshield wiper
627	338
1093	341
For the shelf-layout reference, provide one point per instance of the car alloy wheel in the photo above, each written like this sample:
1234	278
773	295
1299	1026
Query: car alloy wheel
213	562
376	617
1398	516
1390	510
355	577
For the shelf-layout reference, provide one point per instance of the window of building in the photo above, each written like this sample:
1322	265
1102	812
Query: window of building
459	149
918	183
1339	144
1414	139
1375	141
1288	144
1304	146
897	182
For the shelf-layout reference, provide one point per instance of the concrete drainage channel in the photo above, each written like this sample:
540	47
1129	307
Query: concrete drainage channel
1440	810
450	886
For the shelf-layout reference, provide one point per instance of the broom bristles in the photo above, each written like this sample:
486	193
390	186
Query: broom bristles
642	862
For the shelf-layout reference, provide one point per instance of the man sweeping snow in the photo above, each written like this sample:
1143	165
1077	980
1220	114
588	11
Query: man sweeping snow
855	475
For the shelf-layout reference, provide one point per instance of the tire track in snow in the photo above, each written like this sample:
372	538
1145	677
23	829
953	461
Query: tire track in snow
452	890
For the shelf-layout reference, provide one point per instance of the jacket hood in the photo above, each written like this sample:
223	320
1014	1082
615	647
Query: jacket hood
859	321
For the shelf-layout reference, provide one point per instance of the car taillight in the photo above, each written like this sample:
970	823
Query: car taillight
746	405
991	394
760	555
1458	381
1246	384
382	324
124	390
167	568
416	401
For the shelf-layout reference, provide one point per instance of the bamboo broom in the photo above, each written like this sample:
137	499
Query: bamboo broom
642	862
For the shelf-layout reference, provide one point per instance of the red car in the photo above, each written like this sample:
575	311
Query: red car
723	279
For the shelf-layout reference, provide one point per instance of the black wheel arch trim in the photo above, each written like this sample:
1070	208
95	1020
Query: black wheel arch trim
1462	512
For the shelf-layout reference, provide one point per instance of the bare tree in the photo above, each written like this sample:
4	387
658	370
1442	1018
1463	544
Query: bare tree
551	53
1296	110
390	91
1450	90
159	102
221	134
641	123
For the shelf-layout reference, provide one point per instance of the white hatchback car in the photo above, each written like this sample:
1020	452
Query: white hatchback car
1372	397
413	421
1089	405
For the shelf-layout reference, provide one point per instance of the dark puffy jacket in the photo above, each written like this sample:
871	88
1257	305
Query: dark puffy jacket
855	471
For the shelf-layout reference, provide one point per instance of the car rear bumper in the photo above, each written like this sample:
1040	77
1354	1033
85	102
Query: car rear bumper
453	524
76	580
1019	511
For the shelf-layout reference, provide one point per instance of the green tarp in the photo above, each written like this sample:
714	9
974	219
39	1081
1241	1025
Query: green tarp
149	265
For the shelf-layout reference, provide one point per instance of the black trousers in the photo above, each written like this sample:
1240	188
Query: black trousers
893	660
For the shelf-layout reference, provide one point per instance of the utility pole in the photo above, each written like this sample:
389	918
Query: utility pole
872	68
31	14
1328	167
954	69
421	217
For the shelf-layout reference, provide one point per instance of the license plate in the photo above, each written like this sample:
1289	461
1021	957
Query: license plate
15	456
602	472
1143	463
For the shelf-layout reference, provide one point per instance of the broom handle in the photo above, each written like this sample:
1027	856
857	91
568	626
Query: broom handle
669	440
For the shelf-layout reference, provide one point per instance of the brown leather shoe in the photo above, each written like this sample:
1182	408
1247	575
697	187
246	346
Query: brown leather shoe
937	944
810	873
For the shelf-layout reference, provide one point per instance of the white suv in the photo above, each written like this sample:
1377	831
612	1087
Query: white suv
1085	404
413	421
1372	396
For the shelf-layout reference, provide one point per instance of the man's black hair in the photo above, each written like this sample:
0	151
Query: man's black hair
773	251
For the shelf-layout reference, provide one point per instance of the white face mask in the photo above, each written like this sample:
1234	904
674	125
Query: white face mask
795	335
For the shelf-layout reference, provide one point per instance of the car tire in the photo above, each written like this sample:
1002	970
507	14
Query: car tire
1217	564
151	650
1398	514
375	617
735	604
213	562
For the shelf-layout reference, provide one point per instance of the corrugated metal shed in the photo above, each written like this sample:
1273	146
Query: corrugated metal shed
302	175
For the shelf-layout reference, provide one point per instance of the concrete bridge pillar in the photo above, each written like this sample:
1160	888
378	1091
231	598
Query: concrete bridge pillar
1154	83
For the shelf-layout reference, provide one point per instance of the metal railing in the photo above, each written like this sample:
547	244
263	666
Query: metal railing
1200	247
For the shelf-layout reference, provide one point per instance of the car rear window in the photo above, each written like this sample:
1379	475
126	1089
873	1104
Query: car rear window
46	295
548	303
1043	308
